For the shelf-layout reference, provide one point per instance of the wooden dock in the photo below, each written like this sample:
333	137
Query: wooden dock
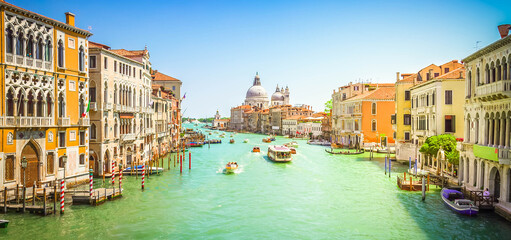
33	200
407	183
99	196
481	201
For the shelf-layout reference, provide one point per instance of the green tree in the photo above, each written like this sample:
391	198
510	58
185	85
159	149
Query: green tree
328	106
447	142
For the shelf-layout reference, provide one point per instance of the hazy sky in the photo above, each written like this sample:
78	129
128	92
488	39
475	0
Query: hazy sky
216	47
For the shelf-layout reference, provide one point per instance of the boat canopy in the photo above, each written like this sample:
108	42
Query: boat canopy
448	193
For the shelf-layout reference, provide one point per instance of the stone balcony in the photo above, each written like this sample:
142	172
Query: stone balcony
64	121
26	121
28	62
84	122
128	137
108	106
493	91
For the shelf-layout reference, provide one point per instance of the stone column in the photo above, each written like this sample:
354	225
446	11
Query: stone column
502	131
508	130
496	132
490	132
15	107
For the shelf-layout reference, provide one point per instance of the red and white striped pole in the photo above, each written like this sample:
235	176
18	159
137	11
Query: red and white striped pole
62	196
113	173
143	176
189	160
181	164
90	182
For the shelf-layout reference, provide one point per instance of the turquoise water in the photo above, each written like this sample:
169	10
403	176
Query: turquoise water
317	196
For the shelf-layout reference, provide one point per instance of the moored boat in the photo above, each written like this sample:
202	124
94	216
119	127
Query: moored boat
279	153
231	141
256	149
4	223
454	200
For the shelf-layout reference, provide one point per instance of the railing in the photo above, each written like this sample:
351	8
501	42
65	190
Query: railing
26	121
47	65
494	88
84	122
9	58
38	63
108	106
64	121
128	137
481	201
19	60
29	61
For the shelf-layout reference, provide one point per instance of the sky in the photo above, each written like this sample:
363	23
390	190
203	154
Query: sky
216	47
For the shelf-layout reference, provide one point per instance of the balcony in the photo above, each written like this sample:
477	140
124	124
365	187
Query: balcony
84	122
64	121
27	61
26	121
493	91
108	106
128	137
93	106
117	107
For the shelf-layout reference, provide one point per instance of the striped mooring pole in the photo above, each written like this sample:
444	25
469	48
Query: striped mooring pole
62	196
90	183
113	172
143	176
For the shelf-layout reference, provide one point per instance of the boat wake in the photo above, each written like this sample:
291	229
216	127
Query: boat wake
237	171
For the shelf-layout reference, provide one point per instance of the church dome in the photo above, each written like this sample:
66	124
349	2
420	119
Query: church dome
277	96
256	91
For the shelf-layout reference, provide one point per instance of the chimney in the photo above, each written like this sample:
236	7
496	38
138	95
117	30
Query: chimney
504	30
397	76
70	19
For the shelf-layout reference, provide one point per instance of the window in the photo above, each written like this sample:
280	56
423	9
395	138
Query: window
373	125
92	61
82	159
9	168
72	135
446	70
448	96
115	66
105	64
62	106
140	74
39	49
19	44
428	76
60	51
93	131
433	99
92	94
407	119
105	134
412	103
61	162
173	88
450	123
422	123
407	136
437	74
9	45
62	139
407	95
427	100
82	138
50	163
47	52
81	60
30	48
373	108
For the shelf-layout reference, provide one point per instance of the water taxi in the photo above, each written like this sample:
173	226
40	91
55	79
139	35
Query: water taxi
231	167
455	200
256	149
231	141
279	153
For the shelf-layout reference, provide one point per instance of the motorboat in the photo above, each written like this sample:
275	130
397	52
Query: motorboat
279	153
454	200
245	141
267	140
291	144
231	141
231	167
293	150
256	149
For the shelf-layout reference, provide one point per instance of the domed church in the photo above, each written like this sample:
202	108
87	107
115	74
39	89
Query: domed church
256	95
280	97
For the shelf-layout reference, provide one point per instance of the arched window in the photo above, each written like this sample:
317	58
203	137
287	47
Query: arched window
116	131
82	106
49	105
19	44
373	125
93	131
469	84
39	49
62	105
105	94
92	91
30	48
105	135
373	108
10	103
81	59
47	52
115	94
21	103
9	41
39	105
60	54
478	77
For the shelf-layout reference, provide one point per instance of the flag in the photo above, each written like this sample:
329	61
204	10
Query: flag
86	111
184	96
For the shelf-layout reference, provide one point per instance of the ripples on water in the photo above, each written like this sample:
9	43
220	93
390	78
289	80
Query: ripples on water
317	196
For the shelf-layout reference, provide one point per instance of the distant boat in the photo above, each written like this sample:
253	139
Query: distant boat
256	149
245	141
231	141
454	199
231	167
291	144
4	223
293	150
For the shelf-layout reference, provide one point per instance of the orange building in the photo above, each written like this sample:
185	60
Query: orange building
44	93
366	118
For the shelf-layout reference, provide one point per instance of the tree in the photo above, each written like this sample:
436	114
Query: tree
448	144
328	106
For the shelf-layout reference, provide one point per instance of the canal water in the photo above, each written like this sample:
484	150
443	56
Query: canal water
316	196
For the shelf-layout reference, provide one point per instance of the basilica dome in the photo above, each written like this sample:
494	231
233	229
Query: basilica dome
277	96
256	91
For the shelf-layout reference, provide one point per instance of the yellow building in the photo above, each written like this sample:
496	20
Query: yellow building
44	93
436	110
402	120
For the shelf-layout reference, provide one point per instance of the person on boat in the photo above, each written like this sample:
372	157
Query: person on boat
486	194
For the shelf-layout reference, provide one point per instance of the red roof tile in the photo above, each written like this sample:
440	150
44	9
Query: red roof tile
158	76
